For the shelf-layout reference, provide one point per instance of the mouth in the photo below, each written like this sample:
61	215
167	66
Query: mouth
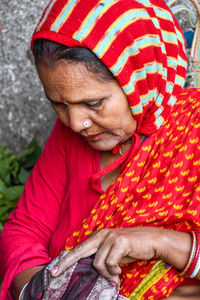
94	137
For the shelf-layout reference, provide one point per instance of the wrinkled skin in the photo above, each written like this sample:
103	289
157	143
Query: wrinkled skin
79	96
115	247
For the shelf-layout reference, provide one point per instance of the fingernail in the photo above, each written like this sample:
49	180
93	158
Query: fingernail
55	270
113	283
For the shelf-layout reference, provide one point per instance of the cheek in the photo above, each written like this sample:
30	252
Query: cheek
109	116
119	113
61	113
124	120
130	123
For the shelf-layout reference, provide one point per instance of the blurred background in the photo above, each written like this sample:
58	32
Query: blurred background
24	112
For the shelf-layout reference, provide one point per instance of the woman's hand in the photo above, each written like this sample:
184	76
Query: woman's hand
112	248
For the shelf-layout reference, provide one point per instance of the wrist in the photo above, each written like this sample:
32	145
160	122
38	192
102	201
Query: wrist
173	247
21	279
21	295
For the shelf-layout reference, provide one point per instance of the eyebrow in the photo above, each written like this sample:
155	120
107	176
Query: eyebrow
78	102
53	101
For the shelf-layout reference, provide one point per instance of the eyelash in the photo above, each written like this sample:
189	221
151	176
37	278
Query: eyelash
56	103
91	106
97	104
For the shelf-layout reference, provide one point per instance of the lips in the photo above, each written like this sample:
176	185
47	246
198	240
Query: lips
94	137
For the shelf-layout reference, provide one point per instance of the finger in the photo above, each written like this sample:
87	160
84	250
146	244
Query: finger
115	256
71	258
126	260
85	249
100	262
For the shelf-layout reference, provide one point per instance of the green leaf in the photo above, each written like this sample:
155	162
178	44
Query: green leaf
22	156
14	168
14	171
4	152
3	187
5	202
13	192
5	216
3	210
5	169
30	156
23	175
8	169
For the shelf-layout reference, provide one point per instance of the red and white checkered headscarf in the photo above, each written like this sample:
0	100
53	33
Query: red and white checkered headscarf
139	41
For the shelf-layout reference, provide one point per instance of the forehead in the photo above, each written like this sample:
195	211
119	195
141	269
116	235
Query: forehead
70	80
67	70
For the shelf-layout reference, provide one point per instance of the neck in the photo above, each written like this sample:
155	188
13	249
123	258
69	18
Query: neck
127	144
125	147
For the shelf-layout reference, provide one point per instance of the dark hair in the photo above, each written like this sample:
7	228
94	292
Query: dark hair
50	52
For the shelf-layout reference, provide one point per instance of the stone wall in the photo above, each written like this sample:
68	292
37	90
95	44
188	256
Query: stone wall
24	111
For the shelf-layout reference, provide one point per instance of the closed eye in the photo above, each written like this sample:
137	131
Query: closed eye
56	103
94	105
90	104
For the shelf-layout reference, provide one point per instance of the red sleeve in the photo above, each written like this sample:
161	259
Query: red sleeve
26	236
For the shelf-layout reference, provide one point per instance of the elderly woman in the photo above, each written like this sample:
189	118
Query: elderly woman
118	182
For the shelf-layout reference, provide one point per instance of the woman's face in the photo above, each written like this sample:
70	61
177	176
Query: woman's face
79	96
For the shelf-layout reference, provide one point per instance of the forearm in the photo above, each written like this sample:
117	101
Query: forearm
174	247
21	279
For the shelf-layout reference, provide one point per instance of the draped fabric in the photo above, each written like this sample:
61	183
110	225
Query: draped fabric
138	40
158	186
142	45
80	281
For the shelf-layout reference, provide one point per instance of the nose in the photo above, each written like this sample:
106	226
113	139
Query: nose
78	118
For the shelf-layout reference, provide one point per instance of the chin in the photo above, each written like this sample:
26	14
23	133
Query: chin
100	146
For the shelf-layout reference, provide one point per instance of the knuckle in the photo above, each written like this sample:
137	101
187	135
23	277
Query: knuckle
63	262
97	264
61	265
94	233
100	233
110	263
77	249
113	235
121	240
104	231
